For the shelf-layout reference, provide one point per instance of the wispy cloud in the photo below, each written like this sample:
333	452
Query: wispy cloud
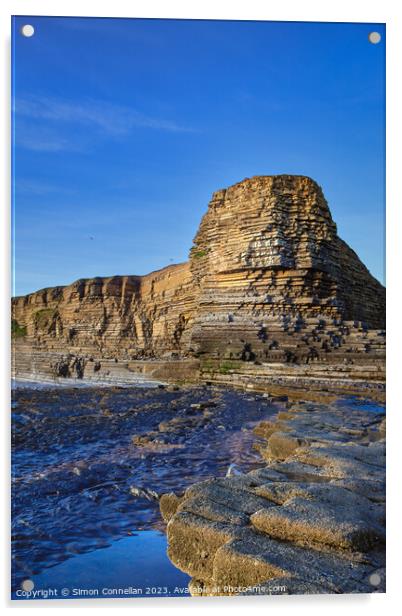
40	143
52	137
33	187
107	119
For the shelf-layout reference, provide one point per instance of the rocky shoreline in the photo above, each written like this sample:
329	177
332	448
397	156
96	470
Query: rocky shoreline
268	281
311	521
272	300
296	380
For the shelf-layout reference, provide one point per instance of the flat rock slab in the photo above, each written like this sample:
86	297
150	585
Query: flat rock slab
282	444
214	511
373	489
233	493
252	559
346	461
313	523
311	520
193	542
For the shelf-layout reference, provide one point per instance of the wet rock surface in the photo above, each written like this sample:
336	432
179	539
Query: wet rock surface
311	520
88	464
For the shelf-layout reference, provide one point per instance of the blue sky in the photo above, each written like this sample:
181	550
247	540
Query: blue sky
123	128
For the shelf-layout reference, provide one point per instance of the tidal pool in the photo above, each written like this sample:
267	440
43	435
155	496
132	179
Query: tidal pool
82	492
135	566
85	512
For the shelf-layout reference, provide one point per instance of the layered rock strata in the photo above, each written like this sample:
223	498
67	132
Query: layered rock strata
268	280
310	521
275	280
301	381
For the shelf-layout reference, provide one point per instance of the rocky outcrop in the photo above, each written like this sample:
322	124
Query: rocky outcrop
268	280
310	521
122	315
275	280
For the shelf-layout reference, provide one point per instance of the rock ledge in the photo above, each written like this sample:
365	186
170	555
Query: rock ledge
311	521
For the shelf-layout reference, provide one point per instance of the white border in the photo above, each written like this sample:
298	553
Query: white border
380	11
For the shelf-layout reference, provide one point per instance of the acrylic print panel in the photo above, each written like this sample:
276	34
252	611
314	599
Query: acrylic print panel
198	308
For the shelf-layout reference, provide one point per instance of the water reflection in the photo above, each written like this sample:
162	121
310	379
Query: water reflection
80	485
75	465
136	566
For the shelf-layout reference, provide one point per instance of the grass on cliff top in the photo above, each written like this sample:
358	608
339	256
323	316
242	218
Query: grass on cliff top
222	367
17	330
43	316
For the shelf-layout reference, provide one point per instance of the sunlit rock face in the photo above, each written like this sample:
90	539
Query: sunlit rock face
276	222
268	278
269	263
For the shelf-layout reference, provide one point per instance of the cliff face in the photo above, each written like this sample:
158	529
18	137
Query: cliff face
267	278
268	261
123	315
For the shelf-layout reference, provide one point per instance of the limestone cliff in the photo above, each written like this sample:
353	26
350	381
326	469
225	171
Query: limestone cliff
268	262
268	279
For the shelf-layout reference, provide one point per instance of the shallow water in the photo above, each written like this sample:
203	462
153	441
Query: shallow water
48	383
80	519
361	404
135	566
74	465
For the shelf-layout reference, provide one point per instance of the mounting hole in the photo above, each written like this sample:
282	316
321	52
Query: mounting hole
27	30
28	585
374	37
375	579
